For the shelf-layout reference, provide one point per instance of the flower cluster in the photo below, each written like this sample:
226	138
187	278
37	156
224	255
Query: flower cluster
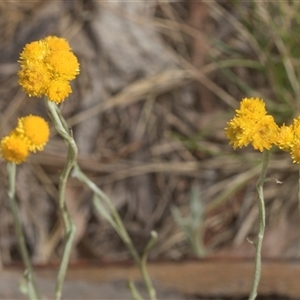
252	124
30	135
47	67
289	139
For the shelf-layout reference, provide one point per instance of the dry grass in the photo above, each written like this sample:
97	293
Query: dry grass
148	113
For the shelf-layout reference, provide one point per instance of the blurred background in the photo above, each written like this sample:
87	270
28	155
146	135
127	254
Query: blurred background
159	81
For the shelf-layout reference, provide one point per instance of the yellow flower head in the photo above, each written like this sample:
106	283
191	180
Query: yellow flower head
34	79
33	52
58	90
266	134
252	107
296	127
47	66
239	132
285	137
34	130
295	152
56	44
294	145
251	124
14	148
63	64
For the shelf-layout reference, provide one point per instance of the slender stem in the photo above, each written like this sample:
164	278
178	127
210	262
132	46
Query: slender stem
120	228
116	217
69	225
196	241
262	222
143	266
116	221
134	292
32	290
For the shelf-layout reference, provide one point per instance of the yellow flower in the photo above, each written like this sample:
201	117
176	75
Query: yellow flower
252	125
295	152
285	137
34	79
239	132
296	127
14	148
34	130
63	64
47	66
295	143
252	107
35	51
266	134
58	90
56	44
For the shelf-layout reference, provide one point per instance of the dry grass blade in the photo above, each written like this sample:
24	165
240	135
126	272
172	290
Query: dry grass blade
249	37
174	167
137	91
263	11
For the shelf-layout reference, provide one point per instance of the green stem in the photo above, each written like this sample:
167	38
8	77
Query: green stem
115	216
134	292
196	241
262	223
69	225
32	289
143	266
115	219
119	227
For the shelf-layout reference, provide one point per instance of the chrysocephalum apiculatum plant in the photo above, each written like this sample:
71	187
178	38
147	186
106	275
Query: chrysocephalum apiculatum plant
252	125
30	135
47	67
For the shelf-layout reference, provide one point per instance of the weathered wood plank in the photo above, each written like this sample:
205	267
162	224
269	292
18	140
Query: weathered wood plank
210	277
